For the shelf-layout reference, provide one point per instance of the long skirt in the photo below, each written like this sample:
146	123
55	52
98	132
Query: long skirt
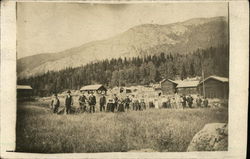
121	108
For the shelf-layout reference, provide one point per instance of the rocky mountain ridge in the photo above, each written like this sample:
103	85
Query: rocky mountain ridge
147	39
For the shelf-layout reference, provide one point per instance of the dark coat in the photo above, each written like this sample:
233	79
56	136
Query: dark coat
92	100
121	107
190	100
55	102
82	99
205	102
127	100
68	101
116	100
103	100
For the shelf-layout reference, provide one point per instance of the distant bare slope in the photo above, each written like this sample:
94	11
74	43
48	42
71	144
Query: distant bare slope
182	37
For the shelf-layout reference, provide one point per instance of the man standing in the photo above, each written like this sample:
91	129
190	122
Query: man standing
133	102
82	102
110	106
168	102
198	101
205	102
184	101
92	102
173	103
55	103
102	102
190	101
142	105
120	106
136	104
115	101
127	102
68	102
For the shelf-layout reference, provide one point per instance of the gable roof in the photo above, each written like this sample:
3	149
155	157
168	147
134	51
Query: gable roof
175	82
218	78
187	84
23	87
92	87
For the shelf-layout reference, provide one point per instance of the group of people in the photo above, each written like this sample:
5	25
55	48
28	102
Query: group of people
186	102
115	104
88	104
83	101
122	105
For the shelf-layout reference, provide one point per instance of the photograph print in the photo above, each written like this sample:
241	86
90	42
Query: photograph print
122	77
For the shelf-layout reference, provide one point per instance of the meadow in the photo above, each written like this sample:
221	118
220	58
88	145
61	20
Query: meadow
162	130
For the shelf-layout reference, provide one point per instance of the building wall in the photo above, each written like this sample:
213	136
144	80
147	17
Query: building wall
187	90
214	89
168	87
23	93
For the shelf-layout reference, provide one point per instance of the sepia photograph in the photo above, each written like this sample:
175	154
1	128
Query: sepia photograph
103	78
122	77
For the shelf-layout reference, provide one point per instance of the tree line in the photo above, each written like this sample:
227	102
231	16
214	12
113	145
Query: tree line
134	71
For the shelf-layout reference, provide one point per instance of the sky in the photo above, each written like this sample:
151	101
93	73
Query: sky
50	27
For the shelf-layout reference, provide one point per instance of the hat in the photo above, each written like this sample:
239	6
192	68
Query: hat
68	91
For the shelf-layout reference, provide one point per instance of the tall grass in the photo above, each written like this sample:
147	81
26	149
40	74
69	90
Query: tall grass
38	130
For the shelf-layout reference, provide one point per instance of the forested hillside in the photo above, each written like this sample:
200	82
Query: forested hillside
135	71
138	41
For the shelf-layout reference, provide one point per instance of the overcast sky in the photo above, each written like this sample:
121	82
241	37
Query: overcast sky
51	27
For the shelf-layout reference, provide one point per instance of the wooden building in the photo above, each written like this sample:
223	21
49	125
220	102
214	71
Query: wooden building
187	87
168	86
24	91
215	87
98	88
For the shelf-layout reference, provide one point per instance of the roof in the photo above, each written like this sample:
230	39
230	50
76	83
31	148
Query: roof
23	87
176	82
92	87
218	78
156	86
187	84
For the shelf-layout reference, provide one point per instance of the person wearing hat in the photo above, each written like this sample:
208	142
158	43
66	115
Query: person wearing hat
110	105
184	101
55	103
190	101
127	102
142	105
82	102
102	102
205	102
92	102
115	101
198	101
68	102
120	106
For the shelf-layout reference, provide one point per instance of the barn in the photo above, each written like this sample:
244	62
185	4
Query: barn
187	87
98	88
215	87
168	86
24	91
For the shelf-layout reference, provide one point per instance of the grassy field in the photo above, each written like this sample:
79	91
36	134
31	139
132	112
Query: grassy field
38	130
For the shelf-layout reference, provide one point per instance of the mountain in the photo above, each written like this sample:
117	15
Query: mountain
182	37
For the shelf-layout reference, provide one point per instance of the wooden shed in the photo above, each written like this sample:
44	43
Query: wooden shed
98	88
215	87
187	87
24	91
168	86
